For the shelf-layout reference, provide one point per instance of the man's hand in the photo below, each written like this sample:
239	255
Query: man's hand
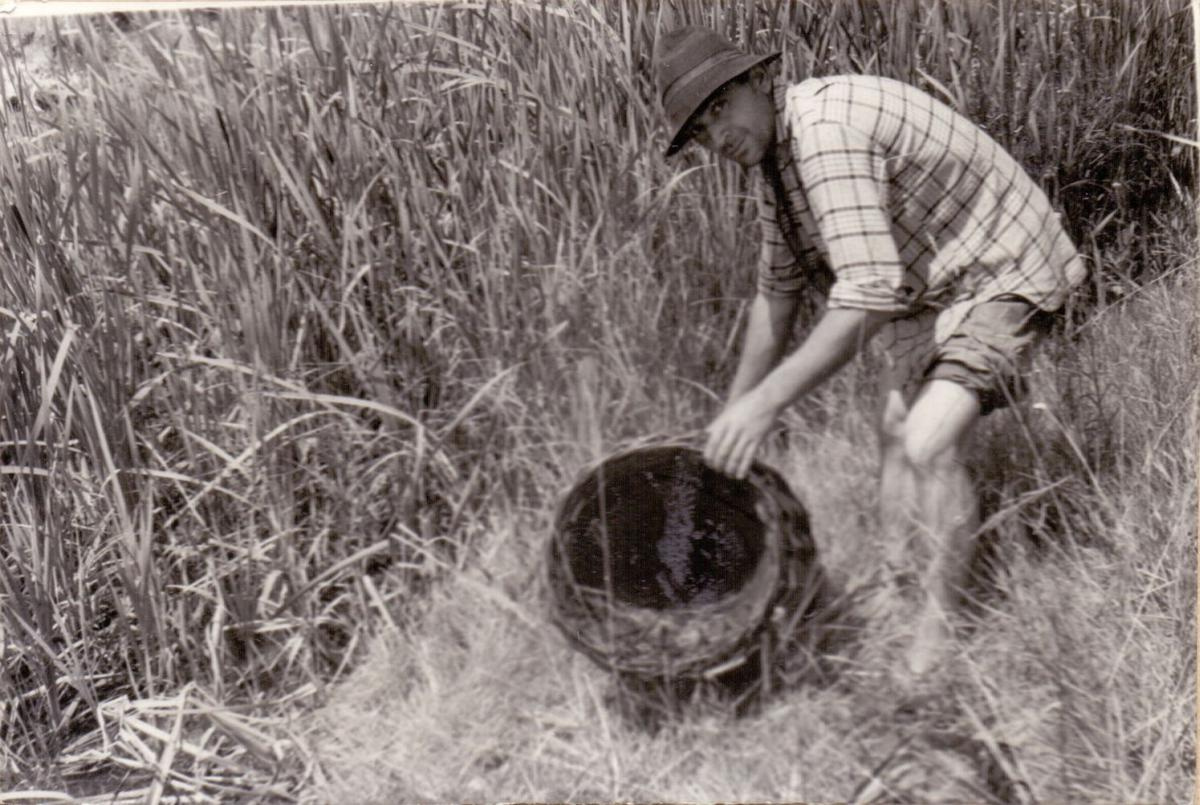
734	436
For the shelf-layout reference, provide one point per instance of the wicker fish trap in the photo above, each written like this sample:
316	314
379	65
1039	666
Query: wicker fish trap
661	568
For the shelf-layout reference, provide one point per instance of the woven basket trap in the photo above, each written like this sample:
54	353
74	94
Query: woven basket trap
660	567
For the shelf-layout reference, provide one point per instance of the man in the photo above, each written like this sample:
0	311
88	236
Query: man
934	239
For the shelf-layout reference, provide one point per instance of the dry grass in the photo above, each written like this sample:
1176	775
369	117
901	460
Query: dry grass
1081	661
310	315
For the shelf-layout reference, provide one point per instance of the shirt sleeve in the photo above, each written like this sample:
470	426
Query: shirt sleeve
780	271
844	178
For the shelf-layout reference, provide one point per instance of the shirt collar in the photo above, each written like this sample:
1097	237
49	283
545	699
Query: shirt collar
782	146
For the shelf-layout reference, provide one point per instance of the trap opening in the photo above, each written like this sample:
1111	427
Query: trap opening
661	530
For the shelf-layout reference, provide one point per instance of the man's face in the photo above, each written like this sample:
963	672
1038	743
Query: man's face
738	123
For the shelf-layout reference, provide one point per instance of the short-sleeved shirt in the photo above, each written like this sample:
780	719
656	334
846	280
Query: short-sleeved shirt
912	206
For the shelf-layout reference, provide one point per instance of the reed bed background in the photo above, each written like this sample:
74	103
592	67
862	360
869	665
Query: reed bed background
310	316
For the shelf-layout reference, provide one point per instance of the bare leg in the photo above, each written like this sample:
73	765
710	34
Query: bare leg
936	431
908	348
898	508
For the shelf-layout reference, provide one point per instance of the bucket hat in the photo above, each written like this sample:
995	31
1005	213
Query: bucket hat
692	63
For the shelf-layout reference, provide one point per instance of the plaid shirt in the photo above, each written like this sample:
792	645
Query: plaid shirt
911	205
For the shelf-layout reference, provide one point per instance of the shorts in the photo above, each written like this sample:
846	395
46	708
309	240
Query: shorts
987	349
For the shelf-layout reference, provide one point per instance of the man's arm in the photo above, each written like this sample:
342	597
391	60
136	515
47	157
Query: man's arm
767	331
734	436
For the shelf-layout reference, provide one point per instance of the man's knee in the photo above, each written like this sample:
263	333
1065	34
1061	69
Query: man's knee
936	428
928	456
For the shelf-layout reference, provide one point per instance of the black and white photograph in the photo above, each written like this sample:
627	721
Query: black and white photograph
628	401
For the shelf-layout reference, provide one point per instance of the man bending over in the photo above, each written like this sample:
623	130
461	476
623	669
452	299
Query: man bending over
925	232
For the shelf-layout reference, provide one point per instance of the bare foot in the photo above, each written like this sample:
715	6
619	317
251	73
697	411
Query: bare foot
931	641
